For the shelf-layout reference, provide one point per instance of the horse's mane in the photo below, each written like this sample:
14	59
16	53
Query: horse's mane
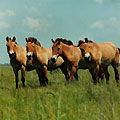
86	41
16	43
33	40
68	42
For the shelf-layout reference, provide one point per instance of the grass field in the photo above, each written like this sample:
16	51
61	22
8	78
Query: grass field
77	100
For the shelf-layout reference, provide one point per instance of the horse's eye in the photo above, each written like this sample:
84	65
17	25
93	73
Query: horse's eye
14	45
33	46
88	46
58	49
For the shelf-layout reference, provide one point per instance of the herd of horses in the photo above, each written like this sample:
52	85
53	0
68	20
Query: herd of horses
96	57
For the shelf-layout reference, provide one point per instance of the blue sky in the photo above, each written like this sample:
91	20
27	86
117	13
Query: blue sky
98	20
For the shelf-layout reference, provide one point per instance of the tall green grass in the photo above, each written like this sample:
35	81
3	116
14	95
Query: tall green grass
60	100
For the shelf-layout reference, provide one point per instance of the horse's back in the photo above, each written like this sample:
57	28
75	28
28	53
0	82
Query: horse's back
108	51
108	48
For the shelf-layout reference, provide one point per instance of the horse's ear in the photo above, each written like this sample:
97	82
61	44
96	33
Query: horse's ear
14	38
35	40
59	42
26	39
52	40
86	40
7	38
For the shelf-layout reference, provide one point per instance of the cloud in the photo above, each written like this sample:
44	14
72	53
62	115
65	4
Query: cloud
114	22
10	13
99	1
4	25
7	13
36	24
33	23
98	25
110	23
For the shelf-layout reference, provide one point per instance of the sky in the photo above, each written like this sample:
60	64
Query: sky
99	20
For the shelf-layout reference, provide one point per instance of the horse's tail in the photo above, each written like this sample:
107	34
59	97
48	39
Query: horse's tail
119	50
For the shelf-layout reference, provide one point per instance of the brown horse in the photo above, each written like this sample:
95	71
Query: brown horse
101	71
41	59
17	55
102	54
73	56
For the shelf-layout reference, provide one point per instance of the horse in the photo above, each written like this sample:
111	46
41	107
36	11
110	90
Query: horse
101	71
102	54
17	55
41	60
72	55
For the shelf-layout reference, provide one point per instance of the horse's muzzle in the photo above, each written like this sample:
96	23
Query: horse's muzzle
29	57
12	55
54	58
88	59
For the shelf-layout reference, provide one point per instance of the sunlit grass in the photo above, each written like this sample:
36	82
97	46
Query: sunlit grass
60	100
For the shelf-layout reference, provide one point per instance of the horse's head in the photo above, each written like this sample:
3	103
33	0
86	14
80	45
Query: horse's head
79	43
86	51
30	45
34	40
56	50
11	46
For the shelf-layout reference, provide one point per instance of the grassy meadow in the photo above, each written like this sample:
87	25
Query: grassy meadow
60	100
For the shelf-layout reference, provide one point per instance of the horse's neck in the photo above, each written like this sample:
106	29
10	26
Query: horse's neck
66	48
67	51
20	50
20	54
41	51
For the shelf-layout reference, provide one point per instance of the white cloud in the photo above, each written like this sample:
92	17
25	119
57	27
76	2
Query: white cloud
10	13
98	25
32	23
114	22
99	1
6	14
36	24
110	23
113	19
4	25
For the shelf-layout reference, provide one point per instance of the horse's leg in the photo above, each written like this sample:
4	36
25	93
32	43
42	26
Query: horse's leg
41	77
97	72
45	72
64	70
107	75
101	74
72	72
115	66
92	72
16	76
23	75
76	75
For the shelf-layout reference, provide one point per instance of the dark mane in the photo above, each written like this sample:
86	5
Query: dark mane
68	42
88	41
80	42
33	40
16	43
